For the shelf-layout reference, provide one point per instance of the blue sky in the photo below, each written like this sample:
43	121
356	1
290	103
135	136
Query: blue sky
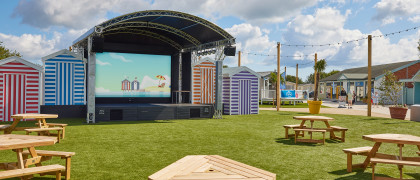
37	28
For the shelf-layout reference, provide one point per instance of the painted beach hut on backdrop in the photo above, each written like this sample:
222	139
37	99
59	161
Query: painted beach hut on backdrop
240	91
203	81
64	78
20	87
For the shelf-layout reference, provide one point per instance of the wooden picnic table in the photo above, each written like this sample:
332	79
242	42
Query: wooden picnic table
39	117
312	119
399	139
18	143
210	167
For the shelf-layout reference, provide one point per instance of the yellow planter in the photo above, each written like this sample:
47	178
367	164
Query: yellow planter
314	106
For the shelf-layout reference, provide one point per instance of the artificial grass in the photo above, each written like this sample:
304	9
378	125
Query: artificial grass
287	105
137	149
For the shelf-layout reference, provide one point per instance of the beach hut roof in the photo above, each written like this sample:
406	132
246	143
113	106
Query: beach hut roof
235	70
63	52
18	59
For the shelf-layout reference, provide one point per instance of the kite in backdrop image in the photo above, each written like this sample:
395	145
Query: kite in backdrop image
132	75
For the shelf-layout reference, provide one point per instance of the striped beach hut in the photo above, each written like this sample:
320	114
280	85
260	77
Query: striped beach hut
64	78
20	87
204	82
240	91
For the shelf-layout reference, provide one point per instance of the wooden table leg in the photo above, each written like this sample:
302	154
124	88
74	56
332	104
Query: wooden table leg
312	126
371	154
20	158
12	127
332	135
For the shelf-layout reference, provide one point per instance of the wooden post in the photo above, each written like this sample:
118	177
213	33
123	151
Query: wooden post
239	58
297	79
278	77
316	59
369	81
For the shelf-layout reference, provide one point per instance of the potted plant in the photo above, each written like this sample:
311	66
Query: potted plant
391	91
315	105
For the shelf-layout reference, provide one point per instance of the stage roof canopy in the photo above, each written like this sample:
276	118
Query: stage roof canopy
175	30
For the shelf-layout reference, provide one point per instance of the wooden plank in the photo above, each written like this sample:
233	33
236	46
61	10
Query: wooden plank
4	126
243	165
52	153
396	162
204	168
14	141
358	150
30	171
240	168
393	138
28	116
371	154
191	163
171	167
310	130
203	176
393	157
313	118
44	129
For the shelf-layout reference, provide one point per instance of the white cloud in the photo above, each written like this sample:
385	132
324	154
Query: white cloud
249	39
414	19
388	10
72	14
122	58
101	63
32	46
87	13
101	90
327	26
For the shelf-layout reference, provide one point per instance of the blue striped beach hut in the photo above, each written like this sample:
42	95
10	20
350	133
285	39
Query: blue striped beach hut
64	78
240	91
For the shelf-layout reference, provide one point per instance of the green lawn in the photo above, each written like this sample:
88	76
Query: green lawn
137	149
287	105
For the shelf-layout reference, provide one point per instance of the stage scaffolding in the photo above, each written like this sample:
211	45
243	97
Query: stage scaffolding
160	25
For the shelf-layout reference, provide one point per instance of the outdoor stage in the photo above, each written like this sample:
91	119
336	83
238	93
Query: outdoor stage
132	112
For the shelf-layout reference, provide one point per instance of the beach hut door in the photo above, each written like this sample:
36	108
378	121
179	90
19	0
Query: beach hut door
14	95
244	96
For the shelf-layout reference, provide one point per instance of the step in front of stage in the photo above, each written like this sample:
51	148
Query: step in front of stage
135	112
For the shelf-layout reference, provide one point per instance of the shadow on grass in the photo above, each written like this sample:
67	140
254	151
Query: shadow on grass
291	141
395	122
414	175
360	174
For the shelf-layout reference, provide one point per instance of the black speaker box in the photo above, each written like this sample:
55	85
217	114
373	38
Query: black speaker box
98	44
229	51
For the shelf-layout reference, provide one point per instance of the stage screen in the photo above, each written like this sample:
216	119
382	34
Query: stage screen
132	75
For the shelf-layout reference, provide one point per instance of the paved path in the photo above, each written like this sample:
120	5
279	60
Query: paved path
358	109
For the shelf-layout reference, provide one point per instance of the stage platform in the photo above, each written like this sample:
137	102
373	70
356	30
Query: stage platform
134	112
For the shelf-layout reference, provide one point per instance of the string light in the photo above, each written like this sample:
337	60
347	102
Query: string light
350	41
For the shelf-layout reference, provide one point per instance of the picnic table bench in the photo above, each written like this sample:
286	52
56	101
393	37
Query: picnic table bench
374	157
46	131
47	155
355	151
330	129
21	167
310	140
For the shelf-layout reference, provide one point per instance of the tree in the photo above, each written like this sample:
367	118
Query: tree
319	67
322	75
390	89
292	78
5	53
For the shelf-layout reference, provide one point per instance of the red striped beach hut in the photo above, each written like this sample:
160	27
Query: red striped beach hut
204	82
240	91
20	87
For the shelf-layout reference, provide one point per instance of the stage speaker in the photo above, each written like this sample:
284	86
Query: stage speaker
230	51
98	44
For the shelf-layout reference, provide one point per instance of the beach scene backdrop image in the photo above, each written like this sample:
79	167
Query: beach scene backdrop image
132	75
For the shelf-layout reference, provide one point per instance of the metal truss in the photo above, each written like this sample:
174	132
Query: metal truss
146	33
140	24
160	13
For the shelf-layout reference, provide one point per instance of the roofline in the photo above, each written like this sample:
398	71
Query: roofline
397	69
228	39
23	61
61	52
412	79
241	68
